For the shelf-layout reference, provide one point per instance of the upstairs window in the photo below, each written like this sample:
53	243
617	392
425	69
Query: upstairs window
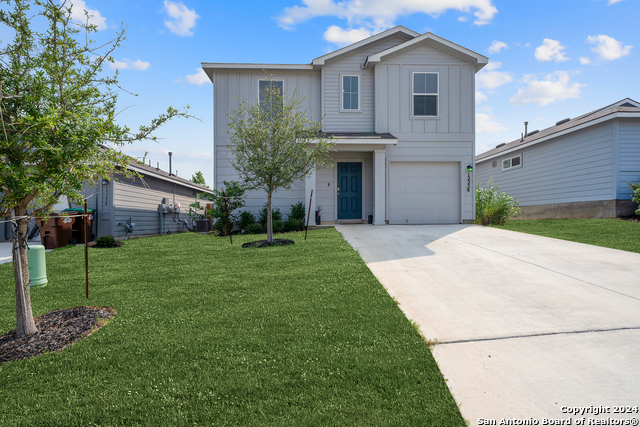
512	162
425	94
271	96
350	93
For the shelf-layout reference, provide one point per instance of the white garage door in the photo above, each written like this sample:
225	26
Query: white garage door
424	193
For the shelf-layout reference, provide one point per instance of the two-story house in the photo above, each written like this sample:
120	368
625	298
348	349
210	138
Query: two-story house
401	106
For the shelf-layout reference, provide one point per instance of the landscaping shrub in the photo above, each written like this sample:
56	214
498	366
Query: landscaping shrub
294	224
297	211
105	241
246	219
276	215
278	225
635	196
494	207
234	191
254	229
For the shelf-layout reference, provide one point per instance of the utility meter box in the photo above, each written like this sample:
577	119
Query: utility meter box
163	208
176	208
170	208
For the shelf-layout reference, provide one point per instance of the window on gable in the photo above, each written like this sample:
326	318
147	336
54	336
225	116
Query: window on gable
271	96
351	93
511	162
425	94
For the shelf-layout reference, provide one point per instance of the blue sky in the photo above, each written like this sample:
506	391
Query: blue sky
548	59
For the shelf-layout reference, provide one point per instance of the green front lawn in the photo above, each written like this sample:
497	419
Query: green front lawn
610	233
212	334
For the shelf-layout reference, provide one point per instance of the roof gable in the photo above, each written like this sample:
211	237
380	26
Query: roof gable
433	41
398	30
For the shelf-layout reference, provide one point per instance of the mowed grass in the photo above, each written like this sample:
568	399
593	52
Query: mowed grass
609	233
212	334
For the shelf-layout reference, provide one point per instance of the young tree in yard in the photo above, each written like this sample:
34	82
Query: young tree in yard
57	109
198	178
274	142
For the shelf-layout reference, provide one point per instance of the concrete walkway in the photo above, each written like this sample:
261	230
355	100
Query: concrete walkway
5	250
526	324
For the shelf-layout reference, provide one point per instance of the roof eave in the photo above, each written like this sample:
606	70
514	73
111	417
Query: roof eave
611	116
478	60
143	172
320	61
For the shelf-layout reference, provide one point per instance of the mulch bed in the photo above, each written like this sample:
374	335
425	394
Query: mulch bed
266	243
632	218
115	245
56	330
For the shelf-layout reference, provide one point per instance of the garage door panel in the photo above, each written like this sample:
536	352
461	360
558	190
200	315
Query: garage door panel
424	193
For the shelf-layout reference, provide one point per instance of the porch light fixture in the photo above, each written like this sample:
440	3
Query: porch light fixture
469	170
105	182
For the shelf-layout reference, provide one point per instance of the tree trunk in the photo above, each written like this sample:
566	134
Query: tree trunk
25	324
269	218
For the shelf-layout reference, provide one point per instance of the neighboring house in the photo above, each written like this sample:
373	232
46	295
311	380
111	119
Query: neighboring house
401	106
119	198
578	168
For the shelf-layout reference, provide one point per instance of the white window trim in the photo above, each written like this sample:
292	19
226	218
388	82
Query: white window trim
511	161
413	94
359	76
266	80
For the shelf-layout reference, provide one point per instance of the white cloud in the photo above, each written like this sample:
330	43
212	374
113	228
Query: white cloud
608	48
488	78
613	2
199	78
77	14
550	50
556	87
340	37
486	123
584	60
183	19
380	14
128	64
463	19
480	97
497	46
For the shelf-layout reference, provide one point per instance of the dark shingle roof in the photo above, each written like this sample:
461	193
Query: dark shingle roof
577	121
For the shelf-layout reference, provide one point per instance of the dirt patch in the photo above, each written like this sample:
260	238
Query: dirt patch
266	244
56	330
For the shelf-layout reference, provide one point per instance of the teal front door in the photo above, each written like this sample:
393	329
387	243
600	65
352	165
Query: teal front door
349	190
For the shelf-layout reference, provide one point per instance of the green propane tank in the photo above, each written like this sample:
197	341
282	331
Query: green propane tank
37	266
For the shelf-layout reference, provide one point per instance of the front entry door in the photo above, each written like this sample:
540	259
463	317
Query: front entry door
349	190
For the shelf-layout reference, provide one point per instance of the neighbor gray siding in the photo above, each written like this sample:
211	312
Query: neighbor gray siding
139	201
363	121
576	167
628	156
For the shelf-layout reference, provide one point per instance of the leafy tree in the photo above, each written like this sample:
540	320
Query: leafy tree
198	178
274	143
58	113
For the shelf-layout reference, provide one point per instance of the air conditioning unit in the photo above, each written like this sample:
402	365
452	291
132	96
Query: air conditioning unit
203	226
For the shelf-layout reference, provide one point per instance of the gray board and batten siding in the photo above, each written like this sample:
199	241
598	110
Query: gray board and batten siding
232	86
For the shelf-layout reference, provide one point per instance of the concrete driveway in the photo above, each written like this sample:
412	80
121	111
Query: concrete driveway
527	325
